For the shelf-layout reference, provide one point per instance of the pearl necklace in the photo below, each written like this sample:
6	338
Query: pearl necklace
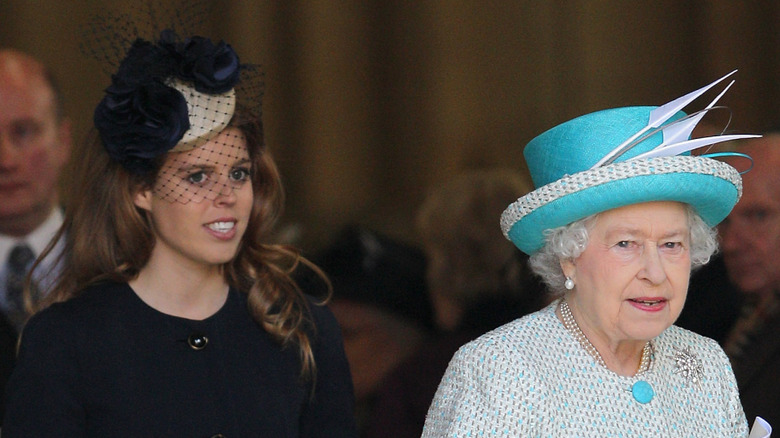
641	390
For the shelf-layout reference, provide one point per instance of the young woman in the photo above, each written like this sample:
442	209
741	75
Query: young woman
173	316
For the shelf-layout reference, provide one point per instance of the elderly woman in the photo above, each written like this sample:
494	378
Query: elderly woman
616	224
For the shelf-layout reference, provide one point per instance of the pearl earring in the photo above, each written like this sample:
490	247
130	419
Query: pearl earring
569	283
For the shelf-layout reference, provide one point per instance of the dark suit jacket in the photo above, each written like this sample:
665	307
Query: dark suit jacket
8	338
713	304
758	374
711	309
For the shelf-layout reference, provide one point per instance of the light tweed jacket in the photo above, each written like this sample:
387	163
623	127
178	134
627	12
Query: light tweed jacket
531	378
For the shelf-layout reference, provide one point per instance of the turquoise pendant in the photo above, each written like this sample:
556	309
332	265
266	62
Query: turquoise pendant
642	392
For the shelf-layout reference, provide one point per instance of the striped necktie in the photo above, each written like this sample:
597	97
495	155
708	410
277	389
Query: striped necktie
19	262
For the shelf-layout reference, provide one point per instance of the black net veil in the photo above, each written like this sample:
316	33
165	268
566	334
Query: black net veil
172	96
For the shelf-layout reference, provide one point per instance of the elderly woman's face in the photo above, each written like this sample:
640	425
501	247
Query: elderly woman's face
632	278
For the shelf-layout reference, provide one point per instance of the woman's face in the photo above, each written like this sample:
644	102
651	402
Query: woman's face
632	279
201	202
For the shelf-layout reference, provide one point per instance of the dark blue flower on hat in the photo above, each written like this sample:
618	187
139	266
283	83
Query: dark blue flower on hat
139	122
212	68
144	61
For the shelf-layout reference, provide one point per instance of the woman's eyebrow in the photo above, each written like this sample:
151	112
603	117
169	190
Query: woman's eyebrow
675	233
189	167
623	231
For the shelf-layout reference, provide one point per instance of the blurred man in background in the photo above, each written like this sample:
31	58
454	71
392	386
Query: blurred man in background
735	299
35	144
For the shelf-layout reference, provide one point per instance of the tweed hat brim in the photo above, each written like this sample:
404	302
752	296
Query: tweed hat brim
712	187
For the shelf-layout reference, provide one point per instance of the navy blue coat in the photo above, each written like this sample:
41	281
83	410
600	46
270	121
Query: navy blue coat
105	364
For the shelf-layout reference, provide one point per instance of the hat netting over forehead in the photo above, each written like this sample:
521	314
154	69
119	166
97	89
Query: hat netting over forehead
171	100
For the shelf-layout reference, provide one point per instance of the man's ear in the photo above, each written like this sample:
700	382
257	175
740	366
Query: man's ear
143	199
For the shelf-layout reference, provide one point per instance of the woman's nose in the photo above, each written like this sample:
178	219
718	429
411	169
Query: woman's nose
225	191
653	269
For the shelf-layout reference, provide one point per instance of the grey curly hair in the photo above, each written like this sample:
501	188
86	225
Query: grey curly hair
569	241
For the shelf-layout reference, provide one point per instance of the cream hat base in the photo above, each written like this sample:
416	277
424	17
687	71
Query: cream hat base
209	114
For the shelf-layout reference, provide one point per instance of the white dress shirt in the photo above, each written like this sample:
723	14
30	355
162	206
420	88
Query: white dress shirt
37	240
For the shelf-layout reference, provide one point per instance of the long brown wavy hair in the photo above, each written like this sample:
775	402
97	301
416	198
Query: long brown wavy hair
107	238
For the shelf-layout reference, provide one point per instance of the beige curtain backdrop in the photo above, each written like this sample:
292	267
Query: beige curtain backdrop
369	103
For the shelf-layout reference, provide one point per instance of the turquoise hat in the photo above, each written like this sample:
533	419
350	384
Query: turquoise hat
618	157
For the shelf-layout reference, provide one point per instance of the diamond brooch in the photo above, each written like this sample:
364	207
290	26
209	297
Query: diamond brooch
689	366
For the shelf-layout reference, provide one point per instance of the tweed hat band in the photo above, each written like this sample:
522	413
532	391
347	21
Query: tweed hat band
663	178
574	183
